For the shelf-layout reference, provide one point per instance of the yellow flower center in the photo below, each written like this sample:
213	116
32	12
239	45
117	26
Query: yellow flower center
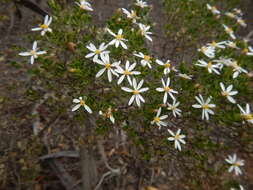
133	14
82	102
237	164
157	119
135	92
209	65
107	65
33	52
167	89
167	65
146	58
83	6
245	50
214	44
205	106
119	37
126	72
247	116
97	51
177	137
44	26
213	9
224	93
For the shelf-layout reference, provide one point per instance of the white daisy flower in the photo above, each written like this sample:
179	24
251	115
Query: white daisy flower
166	65
246	114
232	44
34	53
214	44
84	5
238	11
205	106
177	138
45	26
174	108
210	66
240	186
127	72
95	52
185	76
108	115
145	31
235	164
241	22
146	59
229	31
228	92
141	3
208	51
80	102
237	69
136	91
118	39
250	51
105	61
131	15
158	119
213	9
230	15
167	90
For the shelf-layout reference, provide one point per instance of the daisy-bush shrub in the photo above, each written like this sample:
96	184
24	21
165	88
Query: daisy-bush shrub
194	114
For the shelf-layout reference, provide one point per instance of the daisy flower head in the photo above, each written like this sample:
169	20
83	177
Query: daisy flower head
235	164
214	45
230	15
141	3
229	31
34	53
105	61
237	69
45	26
146	59
185	76
231	44
213	9
177	138
136	90
108	114
246	114
209	65
240	186
158	120
167	90
80	102
250	51
96	52
238	11
84	5
208	51
145	31
228	92
166	65
174	108
241	22
118	39
131	15
205	106
127	72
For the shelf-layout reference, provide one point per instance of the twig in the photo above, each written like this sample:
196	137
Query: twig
70	154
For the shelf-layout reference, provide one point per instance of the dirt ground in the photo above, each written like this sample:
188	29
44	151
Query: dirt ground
15	114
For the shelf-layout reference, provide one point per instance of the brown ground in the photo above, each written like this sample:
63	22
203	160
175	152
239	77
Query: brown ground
15	114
